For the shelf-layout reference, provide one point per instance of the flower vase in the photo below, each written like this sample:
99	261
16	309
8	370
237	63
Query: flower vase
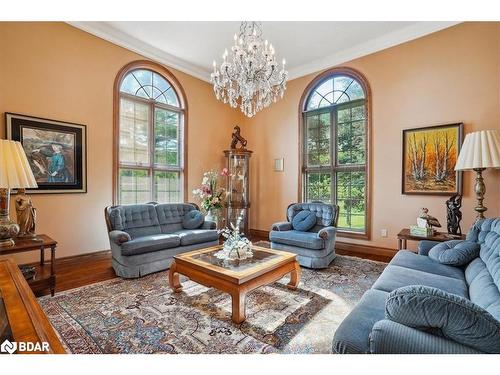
213	215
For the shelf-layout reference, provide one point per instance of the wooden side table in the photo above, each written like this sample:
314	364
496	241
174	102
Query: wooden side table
405	236
40	243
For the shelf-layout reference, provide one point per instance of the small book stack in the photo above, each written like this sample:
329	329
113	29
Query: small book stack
421	232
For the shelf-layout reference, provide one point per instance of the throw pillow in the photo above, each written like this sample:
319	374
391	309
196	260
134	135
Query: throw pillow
457	318
193	219
455	253
304	220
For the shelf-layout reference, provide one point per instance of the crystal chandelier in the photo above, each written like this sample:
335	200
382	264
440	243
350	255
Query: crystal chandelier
249	76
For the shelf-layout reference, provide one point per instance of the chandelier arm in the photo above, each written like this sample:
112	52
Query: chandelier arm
271	74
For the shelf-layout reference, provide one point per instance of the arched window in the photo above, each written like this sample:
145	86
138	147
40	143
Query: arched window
150	113
335	153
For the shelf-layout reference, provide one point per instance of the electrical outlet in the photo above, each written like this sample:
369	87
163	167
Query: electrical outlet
383	232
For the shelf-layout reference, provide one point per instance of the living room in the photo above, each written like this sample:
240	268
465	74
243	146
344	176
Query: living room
343	198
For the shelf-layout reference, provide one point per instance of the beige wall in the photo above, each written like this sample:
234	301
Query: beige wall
446	77
55	71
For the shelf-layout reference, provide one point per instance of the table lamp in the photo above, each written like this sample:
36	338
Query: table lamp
479	151
15	173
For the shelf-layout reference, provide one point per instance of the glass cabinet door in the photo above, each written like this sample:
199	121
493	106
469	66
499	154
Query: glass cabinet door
238	180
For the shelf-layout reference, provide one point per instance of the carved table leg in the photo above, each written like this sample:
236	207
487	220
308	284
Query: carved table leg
173	278
294	277
238	306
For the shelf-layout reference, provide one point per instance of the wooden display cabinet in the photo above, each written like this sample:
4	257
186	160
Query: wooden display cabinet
238	199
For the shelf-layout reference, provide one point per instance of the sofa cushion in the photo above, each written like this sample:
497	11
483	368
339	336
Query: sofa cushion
170	215
455	253
352	335
194	236
388	337
325	213
138	220
395	277
487	234
309	240
457	318
482	288
193	219
483	274
304	220
408	259
150	243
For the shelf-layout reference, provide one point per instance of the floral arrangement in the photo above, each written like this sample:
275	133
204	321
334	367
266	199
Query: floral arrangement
235	246
211	196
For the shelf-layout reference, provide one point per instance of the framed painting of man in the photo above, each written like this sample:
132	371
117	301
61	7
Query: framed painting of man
429	158
56	151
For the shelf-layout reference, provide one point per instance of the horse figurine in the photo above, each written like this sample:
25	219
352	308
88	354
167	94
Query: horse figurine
236	137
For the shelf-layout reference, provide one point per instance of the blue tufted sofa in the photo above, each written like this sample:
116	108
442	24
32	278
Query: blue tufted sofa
473	288
145	237
314	248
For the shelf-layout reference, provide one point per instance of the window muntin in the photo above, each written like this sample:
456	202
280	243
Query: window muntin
150	85
335	90
335	136
150	146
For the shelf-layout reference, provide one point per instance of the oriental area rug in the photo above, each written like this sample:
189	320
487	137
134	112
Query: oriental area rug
144	316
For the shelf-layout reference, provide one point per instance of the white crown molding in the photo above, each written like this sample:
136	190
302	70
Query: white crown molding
414	31
403	35
109	33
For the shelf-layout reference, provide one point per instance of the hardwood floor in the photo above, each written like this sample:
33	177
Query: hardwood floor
81	270
74	272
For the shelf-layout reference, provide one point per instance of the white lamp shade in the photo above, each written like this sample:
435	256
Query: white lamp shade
480	150
15	171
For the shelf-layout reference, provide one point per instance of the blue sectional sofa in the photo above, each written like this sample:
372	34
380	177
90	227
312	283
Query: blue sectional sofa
422	304
315	247
145	237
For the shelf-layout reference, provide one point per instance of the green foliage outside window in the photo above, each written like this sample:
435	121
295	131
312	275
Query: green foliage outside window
335	149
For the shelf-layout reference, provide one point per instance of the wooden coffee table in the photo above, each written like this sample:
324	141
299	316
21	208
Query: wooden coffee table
235	277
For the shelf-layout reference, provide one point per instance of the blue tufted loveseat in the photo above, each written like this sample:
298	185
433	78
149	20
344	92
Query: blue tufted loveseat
145	237
472	289
315	248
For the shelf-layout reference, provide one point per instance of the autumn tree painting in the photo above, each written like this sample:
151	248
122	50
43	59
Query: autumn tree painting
429	157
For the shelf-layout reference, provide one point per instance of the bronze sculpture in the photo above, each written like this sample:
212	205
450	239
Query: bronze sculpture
236	137
26	215
454	215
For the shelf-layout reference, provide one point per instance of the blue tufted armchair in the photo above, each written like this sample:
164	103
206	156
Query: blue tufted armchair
315	248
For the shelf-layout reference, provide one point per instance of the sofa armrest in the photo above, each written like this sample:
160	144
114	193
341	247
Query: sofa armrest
327	233
207	224
425	246
282	226
457	318
388	337
119	237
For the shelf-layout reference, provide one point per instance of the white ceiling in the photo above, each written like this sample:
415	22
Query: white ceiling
307	46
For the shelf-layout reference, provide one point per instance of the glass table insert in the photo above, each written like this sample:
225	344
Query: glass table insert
259	257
